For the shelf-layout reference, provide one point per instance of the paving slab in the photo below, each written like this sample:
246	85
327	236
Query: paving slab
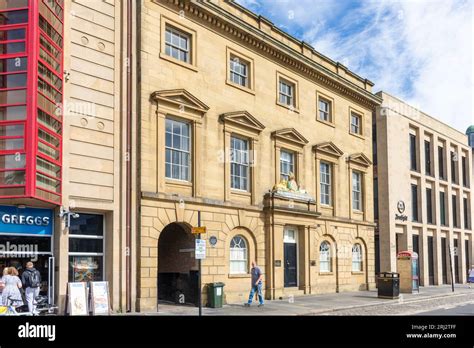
313	304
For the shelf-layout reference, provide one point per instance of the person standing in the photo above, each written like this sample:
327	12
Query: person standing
11	293
31	279
2	285
257	281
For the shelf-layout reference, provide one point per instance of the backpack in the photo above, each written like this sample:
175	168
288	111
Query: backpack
35	279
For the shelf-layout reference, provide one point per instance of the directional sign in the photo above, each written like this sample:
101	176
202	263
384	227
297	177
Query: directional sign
199	230
200	252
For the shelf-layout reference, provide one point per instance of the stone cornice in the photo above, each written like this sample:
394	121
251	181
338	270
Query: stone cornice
249	35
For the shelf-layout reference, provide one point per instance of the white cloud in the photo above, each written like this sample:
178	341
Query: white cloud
418	50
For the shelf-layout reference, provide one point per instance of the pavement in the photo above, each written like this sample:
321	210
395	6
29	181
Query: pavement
353	303
466	309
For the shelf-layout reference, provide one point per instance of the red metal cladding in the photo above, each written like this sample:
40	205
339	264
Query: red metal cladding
31	99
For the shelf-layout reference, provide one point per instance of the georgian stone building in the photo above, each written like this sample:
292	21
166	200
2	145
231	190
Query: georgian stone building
147	114
228	106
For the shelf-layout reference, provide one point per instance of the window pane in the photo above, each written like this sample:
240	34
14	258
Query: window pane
87	224
16	177
14	17
11	144
12	161
12	47
50	31
12	130
48	121
239	163
85	268
48	151
9	4
177	44
13	97
13	64
86	245
13	191
48	183
12	113
12	80
48	167
178	147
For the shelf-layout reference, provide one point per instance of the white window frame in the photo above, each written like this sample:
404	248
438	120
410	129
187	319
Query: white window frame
238	250
325	179
181	152
357	258
324	114
240	158
288	94
356	190
288	162
239	77
356	127
325	257
169	45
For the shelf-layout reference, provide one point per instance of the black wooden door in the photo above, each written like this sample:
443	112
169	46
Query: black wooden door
290	264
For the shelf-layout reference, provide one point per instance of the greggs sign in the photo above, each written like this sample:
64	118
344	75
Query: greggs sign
33	221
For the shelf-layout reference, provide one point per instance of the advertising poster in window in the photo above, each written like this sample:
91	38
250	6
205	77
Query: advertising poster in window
85	269
77	299
100	298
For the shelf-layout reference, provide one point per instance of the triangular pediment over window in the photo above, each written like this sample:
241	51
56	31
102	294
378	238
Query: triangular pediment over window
290	134
242	119
360	159
328	148
181	98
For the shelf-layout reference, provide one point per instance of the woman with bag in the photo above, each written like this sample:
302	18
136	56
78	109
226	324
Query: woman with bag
11	293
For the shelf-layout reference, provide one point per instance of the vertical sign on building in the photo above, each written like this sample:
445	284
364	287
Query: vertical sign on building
31	98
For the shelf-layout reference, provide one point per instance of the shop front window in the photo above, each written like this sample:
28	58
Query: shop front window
86	248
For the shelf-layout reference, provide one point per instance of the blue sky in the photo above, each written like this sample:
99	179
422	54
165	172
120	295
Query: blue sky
418	50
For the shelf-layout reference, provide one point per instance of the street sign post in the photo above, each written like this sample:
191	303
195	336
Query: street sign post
199	229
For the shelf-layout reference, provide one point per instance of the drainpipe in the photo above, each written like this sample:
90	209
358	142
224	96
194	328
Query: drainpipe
128	199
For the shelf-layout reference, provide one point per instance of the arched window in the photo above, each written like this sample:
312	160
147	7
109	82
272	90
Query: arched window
325	257
356	258
238	255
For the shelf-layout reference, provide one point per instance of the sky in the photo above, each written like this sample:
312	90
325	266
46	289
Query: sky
420	51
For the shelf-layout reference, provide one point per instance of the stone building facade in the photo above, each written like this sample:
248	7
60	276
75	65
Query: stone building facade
229	106
170	110
424	180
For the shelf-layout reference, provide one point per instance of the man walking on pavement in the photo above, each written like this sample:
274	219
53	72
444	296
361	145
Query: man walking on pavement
257	277
31	279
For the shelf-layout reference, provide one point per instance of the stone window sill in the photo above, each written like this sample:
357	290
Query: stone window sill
239	276
326	273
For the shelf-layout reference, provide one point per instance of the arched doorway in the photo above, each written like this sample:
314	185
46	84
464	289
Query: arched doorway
177	267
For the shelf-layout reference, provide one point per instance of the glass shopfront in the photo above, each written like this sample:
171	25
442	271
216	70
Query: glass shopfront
26	235
86	248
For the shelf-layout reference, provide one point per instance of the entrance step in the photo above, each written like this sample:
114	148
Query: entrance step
287	292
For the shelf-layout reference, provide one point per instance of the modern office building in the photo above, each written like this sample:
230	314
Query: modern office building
423	176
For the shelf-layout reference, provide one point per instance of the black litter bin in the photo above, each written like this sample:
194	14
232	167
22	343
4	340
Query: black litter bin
388	285
215	295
